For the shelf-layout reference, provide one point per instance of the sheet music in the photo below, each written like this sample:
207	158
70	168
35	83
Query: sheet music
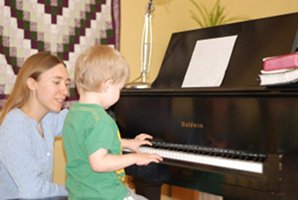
209	62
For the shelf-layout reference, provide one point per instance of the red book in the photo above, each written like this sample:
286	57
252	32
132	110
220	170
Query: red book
281	62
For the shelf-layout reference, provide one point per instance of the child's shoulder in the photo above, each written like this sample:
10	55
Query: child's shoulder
89	111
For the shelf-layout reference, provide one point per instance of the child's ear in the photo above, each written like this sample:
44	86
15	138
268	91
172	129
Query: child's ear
110	82
106	85
31	83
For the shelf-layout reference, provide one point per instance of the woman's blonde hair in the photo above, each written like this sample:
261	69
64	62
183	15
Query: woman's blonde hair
33	67
98	64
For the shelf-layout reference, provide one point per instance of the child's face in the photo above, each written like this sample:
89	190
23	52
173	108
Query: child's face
113	93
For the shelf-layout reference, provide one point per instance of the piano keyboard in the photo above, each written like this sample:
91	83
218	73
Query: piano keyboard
231	159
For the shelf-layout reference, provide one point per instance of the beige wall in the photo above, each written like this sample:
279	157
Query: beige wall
171	16
174	16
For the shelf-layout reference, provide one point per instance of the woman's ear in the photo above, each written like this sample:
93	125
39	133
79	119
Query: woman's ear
31	83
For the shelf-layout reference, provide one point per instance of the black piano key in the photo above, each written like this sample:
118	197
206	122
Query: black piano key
210	151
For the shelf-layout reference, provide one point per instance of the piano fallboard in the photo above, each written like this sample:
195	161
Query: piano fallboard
254	120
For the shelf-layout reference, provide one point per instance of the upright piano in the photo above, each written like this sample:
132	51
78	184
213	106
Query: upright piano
238	140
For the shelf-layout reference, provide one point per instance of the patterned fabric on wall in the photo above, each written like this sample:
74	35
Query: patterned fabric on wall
63	27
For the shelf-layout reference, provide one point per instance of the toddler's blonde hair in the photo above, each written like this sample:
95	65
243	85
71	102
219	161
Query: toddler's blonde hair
98	64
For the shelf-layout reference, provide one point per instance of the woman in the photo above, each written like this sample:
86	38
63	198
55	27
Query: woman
30	119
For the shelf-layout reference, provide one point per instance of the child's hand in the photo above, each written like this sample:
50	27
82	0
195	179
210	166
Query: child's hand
139	140
147	158
144	139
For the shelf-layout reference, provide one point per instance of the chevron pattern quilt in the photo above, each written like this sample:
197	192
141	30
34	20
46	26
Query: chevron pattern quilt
63	27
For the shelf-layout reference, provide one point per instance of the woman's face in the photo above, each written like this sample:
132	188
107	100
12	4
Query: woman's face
52	89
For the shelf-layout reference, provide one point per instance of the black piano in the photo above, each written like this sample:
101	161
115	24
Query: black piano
239	140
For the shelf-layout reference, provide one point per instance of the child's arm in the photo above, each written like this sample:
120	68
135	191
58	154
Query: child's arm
101	161
139	140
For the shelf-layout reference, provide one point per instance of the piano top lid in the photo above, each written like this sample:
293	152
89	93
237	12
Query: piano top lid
256	40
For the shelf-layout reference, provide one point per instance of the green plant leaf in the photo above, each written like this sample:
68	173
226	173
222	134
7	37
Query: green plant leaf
213	17
196	18
203	13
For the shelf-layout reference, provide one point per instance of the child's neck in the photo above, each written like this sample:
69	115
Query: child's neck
91	98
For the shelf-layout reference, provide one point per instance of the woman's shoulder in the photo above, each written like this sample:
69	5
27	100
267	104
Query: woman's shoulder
15	114
14	121
62	113
54	119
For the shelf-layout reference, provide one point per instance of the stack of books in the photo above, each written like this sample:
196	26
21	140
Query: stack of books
280	70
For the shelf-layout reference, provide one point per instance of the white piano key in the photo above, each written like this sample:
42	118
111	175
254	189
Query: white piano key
243	165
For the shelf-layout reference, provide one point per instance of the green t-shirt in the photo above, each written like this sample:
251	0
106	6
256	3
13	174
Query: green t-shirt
88	128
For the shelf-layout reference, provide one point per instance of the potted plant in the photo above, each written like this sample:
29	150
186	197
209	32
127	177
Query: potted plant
213	17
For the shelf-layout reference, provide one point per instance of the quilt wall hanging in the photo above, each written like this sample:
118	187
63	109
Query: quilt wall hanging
63	27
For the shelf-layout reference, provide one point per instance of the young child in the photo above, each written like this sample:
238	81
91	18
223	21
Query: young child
91	137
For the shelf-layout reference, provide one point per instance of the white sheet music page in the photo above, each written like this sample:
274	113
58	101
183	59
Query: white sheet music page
209	62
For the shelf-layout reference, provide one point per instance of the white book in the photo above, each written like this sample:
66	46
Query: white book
279	77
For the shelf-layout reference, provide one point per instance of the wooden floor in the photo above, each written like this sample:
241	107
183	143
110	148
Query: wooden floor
169	192
178	193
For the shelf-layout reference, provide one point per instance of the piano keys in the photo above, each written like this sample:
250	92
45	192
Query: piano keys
225	158
239	140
